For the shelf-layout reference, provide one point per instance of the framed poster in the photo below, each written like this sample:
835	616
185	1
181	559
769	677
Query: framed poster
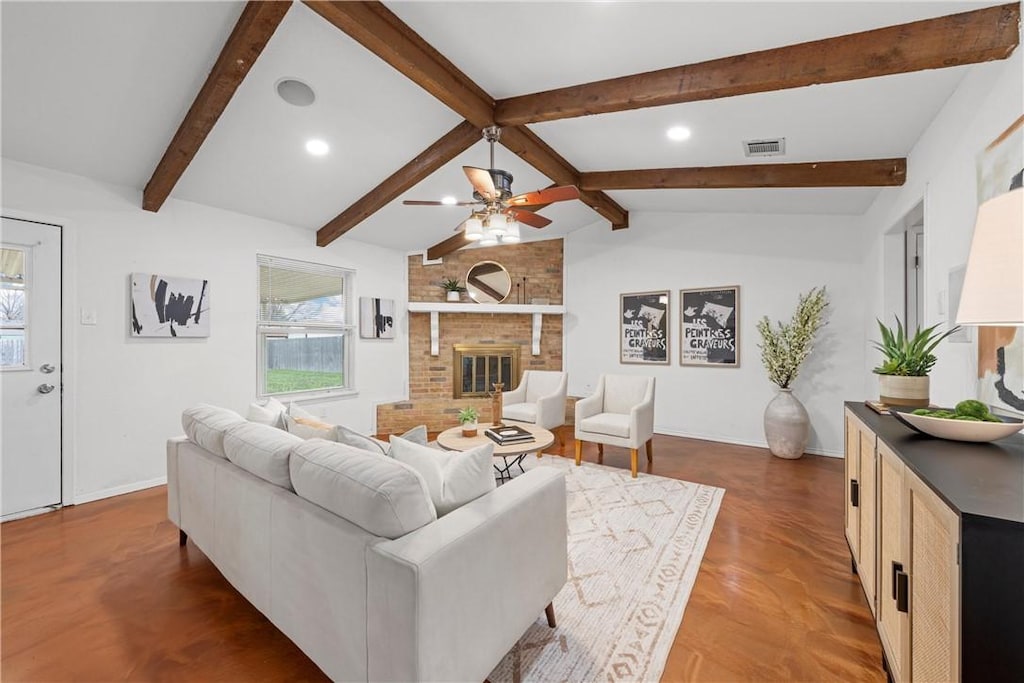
643	330
710	327
169	306
376	318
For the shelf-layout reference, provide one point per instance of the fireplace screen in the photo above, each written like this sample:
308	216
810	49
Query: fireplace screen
478	368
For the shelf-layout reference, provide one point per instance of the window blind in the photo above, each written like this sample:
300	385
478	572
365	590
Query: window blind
302	293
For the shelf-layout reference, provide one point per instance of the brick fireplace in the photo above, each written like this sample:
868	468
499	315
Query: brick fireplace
431	378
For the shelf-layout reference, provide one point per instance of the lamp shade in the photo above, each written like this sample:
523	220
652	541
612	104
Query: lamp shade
496	223
511	235
473	229
993	291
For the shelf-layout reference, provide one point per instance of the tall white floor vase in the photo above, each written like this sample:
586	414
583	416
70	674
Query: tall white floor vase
786	425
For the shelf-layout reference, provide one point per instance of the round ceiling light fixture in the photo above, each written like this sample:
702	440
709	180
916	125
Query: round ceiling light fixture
317	148
295	92
678	133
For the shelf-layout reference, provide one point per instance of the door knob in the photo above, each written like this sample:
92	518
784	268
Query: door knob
45	388
46	368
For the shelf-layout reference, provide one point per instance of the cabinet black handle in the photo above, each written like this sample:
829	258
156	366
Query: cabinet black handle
902	591
854	493
897	568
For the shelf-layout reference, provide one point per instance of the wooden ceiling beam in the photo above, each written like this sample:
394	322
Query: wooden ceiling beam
376	28
525	143
967	38
867	173
454	143
251	34
380	31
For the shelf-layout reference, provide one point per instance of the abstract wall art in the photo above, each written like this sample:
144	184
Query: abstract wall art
168	306
376	318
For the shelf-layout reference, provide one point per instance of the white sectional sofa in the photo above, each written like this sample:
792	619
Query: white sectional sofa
356	568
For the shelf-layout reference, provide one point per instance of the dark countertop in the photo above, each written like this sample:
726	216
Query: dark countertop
981	479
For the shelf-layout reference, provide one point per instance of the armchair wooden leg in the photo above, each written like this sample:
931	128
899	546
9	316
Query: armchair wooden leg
579	452
650	449
549	612
633	453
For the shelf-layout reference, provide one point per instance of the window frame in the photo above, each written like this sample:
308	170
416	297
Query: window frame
346	330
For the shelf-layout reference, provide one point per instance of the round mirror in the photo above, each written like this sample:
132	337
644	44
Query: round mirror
488	282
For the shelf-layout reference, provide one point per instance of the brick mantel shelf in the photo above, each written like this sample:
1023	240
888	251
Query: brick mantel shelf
434	309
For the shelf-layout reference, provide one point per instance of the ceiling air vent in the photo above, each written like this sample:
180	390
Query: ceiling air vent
764	148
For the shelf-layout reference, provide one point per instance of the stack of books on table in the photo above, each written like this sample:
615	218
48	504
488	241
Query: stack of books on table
508	435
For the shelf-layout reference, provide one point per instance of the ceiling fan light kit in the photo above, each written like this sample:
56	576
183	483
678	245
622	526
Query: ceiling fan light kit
498	220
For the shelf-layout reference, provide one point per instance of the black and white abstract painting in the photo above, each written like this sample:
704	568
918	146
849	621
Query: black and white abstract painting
376	318
710	327
168	306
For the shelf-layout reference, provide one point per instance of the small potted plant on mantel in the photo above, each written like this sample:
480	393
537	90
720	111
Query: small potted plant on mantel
903	377
453	288
468	417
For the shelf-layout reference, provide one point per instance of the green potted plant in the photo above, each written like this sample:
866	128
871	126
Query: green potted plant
453	288
784	347
467	418
903	376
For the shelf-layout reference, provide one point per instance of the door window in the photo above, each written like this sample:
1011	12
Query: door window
13	308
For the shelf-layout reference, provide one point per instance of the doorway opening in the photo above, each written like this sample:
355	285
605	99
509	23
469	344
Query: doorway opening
904	269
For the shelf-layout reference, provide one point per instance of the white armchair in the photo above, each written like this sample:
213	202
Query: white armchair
620	413
539	398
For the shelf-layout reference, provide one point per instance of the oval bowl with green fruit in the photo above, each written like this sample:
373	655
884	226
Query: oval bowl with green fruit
969	421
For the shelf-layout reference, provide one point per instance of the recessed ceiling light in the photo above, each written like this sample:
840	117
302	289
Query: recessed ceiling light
678	133
449	200
317	148
295	92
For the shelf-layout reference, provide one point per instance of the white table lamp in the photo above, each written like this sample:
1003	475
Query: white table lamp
993	291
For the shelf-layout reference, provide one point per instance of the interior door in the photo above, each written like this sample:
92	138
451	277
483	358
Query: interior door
30	366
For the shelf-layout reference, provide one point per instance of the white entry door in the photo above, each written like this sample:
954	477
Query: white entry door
30	366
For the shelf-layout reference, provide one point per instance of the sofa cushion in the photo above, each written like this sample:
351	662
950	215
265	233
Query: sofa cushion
453	478
524	412
613	424
261	450
381	495
205	426
269	412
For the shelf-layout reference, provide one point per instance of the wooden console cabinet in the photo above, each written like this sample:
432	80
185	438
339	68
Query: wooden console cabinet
936	535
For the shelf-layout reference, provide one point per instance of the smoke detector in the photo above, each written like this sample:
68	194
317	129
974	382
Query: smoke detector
764	148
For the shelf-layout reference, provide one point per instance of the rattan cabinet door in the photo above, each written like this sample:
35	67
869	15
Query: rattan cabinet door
866	564
893	625
853	486
934	585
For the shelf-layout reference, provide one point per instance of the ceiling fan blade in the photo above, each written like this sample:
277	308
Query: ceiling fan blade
418	202
530	218
482	181
549	196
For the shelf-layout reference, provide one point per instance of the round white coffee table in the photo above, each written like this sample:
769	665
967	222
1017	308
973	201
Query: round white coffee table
511	455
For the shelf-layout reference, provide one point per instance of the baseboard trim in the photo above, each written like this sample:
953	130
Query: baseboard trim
119	490
828	453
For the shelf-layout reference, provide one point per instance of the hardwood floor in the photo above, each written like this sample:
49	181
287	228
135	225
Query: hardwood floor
102	592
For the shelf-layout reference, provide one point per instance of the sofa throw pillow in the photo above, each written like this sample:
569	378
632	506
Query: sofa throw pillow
380	495
308	428
368	443
269	412
205	425
453	478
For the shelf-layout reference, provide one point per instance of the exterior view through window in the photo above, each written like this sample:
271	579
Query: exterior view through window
305	327
12	308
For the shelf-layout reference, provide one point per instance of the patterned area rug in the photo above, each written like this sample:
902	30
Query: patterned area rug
635	546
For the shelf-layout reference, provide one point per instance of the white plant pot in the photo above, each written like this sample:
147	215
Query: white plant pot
469	429
897	390
454	296
787	425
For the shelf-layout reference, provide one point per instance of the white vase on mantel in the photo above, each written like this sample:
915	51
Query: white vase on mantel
787	426
454	296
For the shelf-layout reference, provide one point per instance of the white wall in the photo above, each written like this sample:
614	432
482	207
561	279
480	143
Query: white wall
941	169
128	394
774	259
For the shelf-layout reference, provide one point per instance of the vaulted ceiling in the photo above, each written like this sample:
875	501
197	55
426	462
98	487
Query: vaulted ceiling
99	89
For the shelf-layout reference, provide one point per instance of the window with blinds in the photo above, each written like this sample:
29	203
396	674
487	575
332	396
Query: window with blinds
305	327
